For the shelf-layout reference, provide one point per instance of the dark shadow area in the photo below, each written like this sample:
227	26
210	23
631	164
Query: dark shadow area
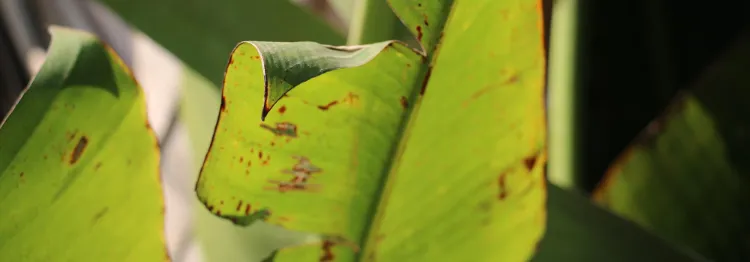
639	54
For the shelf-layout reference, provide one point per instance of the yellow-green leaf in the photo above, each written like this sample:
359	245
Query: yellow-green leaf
79	165
386	156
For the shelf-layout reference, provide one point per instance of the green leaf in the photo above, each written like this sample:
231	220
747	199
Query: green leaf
386	156
79	164
685	177
201	33
580	231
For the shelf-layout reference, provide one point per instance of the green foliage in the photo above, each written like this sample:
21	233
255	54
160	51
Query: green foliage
685	177
373	152
79	165
297	168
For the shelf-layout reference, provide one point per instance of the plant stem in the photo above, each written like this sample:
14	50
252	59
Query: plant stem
564	95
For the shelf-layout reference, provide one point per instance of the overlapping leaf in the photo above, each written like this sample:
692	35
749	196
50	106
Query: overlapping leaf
79	165
686	177
385	160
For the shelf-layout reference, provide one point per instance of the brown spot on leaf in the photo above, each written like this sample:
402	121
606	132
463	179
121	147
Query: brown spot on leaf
242	159
223	106
501	186
419	33
260	154
327	251
247	209
239	206
328	106
97	166
78	150
21	175
231	60
281	129
425	20
255	57
425	80
282	109
301	172
529	162
404	102
350	99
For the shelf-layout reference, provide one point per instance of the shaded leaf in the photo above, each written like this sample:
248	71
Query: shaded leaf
79	164
201	33
685	177
386	159
580	231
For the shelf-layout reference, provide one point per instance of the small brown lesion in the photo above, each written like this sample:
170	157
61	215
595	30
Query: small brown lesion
282	129
404	102
78	150
302	171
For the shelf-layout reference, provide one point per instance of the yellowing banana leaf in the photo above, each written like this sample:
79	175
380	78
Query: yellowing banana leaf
387	153
79	164
686	177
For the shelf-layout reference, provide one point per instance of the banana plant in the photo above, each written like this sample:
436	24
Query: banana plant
79	164
380	149
685	176
377	152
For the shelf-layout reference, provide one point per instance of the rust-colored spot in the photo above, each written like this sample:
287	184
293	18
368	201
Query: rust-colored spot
327	251
97	166
260	154
223	106
501	185
301	171
408	65
328	106
218	212
242	159
404	102
78	150
350	99
255	57
249	163
272	143
21	175
247	209
529	162
425	80
282	109
281	129
231	60
221	203
247	172
419	33
211	208
425	20
239	206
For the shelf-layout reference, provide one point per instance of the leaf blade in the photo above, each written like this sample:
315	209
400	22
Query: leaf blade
67	178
